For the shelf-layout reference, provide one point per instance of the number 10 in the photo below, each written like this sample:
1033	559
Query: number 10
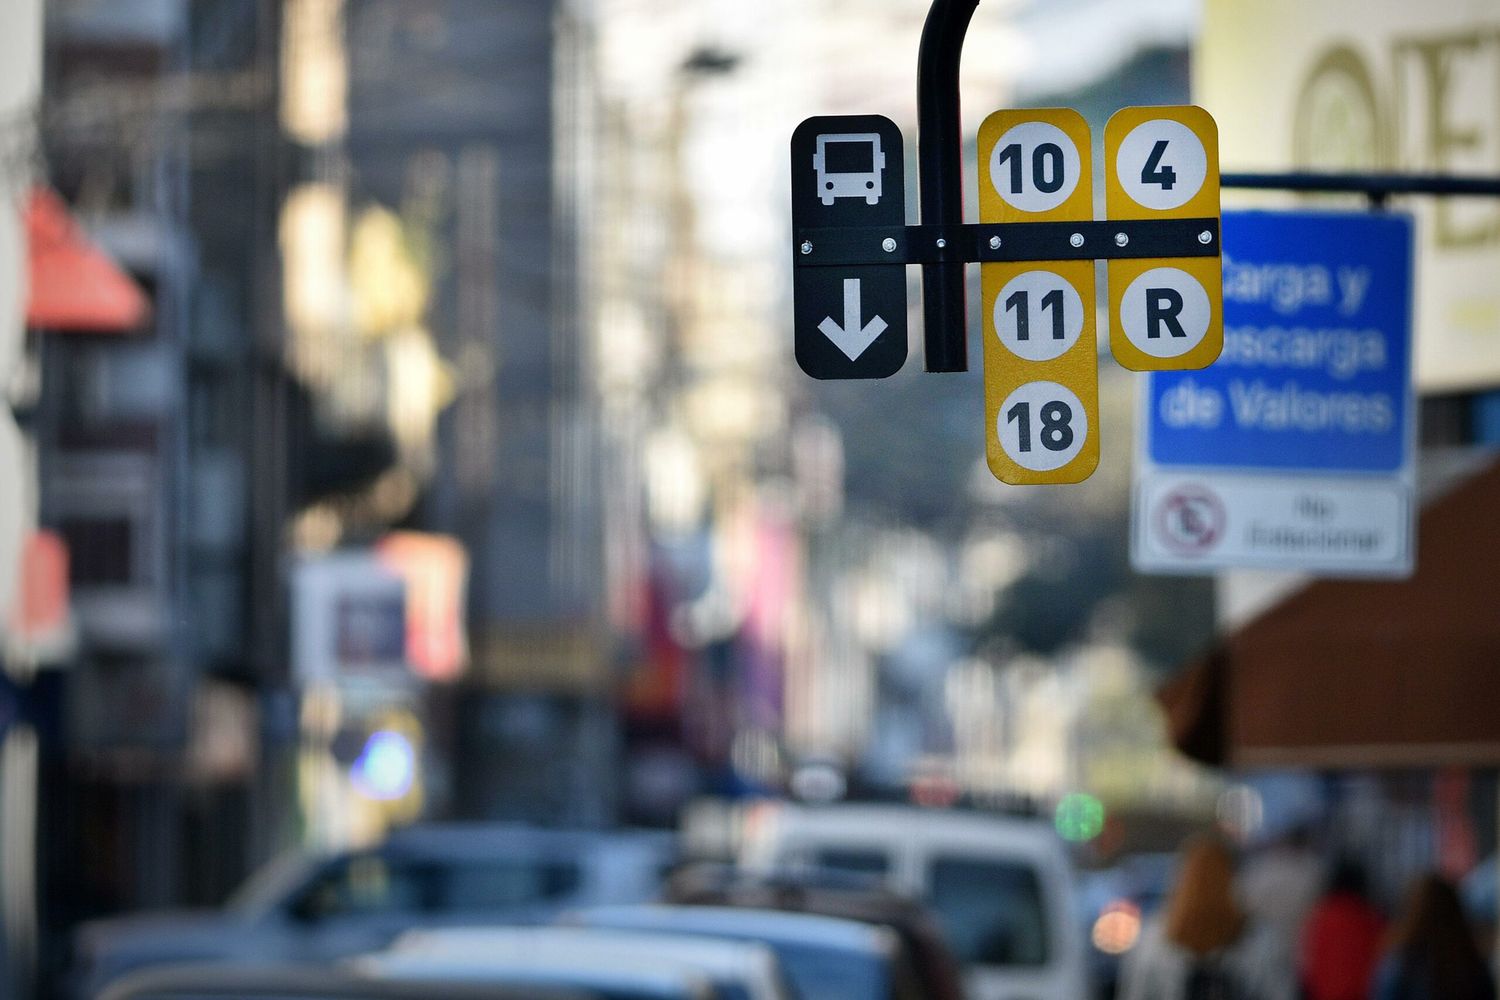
1046	167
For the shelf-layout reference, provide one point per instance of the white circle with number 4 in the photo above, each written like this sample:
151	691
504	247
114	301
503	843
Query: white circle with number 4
1161	164
1042	426
1038	315
1165	312
1035	167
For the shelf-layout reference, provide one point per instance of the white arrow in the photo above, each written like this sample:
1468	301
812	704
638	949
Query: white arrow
851	338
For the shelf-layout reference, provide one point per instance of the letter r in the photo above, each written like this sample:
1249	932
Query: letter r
1162	307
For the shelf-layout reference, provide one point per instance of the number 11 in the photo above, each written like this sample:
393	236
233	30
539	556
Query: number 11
1053	300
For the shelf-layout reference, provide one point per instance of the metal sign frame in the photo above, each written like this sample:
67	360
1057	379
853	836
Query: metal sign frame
1003	242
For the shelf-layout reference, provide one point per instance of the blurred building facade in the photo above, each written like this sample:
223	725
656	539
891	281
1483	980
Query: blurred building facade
357	225
20	87
162	453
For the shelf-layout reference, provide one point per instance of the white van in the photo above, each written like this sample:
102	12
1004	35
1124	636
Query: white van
1001	887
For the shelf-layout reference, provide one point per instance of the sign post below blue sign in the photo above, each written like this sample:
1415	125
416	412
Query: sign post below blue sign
1296	449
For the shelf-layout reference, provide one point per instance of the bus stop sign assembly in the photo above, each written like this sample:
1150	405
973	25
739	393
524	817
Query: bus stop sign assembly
1036	242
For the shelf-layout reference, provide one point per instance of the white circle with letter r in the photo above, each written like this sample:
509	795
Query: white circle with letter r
1042	426
1165	312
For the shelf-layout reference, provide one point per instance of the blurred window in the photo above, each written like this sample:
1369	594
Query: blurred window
480	885
100	549
853	860
991	910
366	885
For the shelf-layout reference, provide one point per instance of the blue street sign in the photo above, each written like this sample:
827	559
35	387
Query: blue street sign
1316	369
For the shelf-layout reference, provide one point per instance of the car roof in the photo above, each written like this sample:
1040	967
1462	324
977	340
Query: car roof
901	829
639	973
831	892
479	836
771	926
889	818
243	981
714	955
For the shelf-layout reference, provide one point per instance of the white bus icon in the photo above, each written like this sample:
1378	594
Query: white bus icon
849	165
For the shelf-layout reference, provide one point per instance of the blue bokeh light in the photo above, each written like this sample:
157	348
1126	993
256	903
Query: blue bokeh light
386	767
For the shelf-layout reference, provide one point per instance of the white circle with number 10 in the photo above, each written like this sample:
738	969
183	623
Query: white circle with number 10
1038	315
1035	167
1165	312
1042	426
1161	164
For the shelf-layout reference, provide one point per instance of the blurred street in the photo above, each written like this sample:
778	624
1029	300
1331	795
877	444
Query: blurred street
425	571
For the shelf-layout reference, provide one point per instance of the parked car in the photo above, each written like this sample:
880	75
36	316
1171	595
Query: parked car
822	956
549	962
828	894
1000	886
229	981
311	908
738	970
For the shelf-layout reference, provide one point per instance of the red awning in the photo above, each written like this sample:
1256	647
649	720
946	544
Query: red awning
1354	674
73	285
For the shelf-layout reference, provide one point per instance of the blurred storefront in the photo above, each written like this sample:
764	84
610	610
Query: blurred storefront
1384	689
1376	688
1359	675
358	618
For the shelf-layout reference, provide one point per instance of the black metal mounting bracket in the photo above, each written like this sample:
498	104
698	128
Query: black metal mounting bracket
970	243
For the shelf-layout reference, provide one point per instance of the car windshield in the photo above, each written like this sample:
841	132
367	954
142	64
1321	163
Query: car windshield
822	972
991	911
371	884
272	884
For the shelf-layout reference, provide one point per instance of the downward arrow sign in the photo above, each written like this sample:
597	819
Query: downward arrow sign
851	338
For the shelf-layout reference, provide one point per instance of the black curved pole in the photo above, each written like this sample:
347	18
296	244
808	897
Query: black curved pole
941	178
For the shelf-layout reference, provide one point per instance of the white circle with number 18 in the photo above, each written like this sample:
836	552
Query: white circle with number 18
1035	167
1038	315
1165	312
1042	426
1161	164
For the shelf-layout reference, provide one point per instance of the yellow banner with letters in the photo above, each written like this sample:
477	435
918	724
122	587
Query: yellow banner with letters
1386	85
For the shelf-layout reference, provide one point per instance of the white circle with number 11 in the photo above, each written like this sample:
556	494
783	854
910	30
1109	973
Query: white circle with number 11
1038	315
1165	312
1035	167
1042	426
1161	164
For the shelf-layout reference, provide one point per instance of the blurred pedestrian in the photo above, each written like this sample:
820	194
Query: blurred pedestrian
1432	953
1280	883
1205	946
1341	941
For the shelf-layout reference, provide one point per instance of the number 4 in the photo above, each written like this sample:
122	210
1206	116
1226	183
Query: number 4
1154	173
